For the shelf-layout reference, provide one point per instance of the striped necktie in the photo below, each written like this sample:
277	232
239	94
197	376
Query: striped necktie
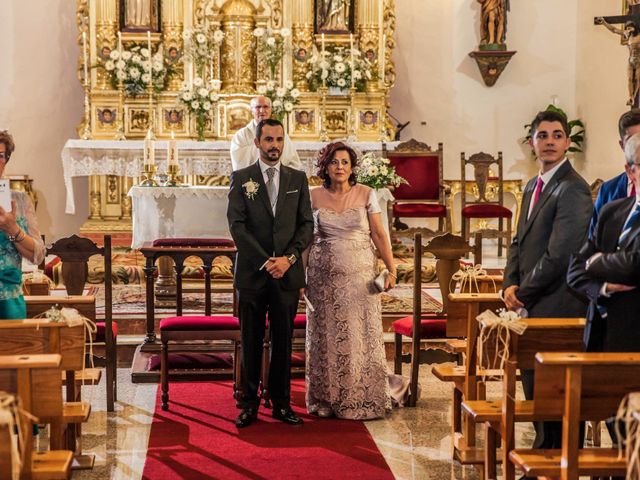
630	223
271	187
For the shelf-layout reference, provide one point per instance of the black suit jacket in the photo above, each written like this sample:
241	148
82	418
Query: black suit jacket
541	249
620	330
259	235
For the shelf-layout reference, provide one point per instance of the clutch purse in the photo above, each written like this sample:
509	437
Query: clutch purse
380	279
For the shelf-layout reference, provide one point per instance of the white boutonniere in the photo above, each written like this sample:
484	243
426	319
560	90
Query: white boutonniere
250	188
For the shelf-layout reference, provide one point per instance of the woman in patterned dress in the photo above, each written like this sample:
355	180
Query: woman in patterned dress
19	238
346	366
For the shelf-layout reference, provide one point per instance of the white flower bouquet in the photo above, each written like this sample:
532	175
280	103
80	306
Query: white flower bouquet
136	68
200	43
376	172
200	99
282	98
338	67
271	43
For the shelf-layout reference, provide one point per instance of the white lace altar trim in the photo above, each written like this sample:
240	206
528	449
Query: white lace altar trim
200	191
83	158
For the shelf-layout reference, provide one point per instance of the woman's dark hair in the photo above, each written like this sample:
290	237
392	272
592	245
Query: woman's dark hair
9	145
327	154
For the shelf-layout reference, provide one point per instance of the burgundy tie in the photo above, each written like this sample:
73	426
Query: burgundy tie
536	194
633	190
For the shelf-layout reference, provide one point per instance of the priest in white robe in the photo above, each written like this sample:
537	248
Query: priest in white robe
243	149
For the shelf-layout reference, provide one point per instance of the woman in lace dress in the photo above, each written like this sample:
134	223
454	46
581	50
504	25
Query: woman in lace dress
346	367
19	238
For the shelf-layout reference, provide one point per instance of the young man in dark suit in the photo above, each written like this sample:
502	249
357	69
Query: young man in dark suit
620	186
555	213
271	223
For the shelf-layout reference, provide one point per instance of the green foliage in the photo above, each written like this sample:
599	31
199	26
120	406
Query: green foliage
576	129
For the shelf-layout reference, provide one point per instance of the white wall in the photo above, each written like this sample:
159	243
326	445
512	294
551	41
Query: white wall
41	101
560	52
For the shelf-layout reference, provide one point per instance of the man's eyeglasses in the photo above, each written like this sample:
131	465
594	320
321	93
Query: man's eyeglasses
261	107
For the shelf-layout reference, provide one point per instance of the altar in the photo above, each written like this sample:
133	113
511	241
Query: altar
193	212
113	167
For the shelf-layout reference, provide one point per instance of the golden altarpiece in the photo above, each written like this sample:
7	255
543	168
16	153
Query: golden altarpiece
239	66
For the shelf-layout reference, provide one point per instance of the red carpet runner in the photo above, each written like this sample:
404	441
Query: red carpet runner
197	439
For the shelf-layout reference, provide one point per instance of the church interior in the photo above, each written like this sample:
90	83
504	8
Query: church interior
129	176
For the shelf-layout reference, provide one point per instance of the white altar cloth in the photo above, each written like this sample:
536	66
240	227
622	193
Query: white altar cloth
193	212
83	158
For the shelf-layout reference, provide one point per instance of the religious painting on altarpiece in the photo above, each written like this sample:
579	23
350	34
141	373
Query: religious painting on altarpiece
335	16
140	15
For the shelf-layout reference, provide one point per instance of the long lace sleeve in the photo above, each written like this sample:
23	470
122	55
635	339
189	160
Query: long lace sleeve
27	216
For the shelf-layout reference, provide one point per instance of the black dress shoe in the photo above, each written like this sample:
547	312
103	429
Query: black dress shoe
286	415
246	417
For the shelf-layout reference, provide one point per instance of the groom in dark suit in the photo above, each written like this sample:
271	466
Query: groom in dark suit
555	213
271	223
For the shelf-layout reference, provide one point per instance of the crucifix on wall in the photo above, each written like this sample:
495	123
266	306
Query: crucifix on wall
630	35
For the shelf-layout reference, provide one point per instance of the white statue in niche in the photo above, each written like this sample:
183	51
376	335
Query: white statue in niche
139	13
333	15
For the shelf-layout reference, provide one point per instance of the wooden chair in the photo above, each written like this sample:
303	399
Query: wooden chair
486	204
418	326
498	416
35	379
184	330
26	337
74	252
425	194
575	387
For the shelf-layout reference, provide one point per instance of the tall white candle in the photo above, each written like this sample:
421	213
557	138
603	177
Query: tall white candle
85	58
120	44
149	150
353	80
173	150
324	81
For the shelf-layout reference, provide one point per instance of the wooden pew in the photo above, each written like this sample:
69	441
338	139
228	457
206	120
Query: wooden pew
576	387
465	379
86	305
18	337
35	379
542	334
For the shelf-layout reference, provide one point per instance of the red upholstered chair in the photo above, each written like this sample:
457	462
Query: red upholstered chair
74	252
425	194
183	331
448	249
489	198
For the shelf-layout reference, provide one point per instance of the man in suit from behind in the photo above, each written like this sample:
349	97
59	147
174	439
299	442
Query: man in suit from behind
271	223
555	213
620	186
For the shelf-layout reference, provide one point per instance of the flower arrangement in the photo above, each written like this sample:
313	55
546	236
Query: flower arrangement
199	43
136	67
376	172
200	98
271	43
282	99
338	67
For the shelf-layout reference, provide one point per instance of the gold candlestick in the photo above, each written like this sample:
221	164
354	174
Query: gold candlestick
173	170
86	132
120	118
353	135
149	172
384	136
324	135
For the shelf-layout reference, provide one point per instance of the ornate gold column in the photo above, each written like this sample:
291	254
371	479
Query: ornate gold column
368	30
106	28
239	47
172	27
301	39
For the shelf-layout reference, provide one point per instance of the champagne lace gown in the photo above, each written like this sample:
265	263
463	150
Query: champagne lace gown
346	364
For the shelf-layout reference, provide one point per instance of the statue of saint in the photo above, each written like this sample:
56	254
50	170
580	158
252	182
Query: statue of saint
333	15
631	39
139	14
493	21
